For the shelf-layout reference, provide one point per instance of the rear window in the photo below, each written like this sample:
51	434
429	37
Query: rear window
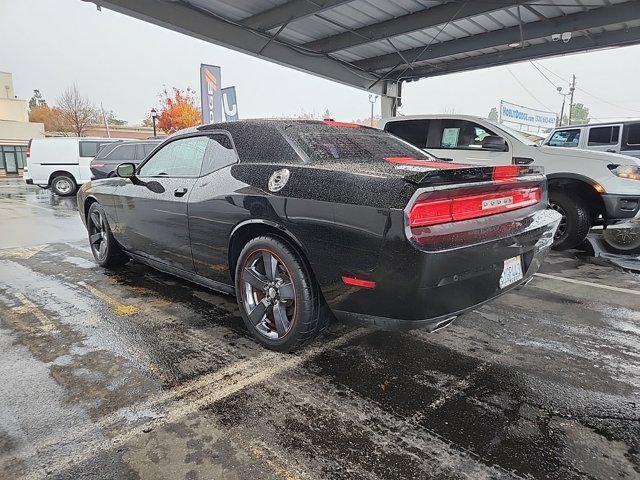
413	131
321	143
90	148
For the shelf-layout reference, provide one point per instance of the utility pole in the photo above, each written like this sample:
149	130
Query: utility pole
104	119
372	99
571	90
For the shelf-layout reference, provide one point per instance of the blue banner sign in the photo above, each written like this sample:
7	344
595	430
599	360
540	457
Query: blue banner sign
510	112
229	104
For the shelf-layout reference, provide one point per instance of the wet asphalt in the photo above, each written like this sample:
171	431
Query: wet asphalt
135	374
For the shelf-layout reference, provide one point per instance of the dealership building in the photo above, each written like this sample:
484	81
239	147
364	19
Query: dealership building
15	128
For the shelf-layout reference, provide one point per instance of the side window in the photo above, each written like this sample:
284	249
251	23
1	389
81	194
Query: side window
599	136
148	147
413	131
180	158
565	138
123	152
459	134
89	149
219	153
633	135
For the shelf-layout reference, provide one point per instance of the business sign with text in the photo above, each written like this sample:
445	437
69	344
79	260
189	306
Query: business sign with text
510	112
230	104
210	93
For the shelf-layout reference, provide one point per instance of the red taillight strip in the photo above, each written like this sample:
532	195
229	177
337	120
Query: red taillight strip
503	172
358	282
454	209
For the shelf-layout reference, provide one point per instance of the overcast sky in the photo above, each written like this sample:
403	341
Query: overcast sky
124	63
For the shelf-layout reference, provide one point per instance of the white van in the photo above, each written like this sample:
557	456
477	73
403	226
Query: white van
616	137
587	187
61	163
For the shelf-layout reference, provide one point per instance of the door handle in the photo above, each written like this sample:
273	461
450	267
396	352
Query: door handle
445	159
179	192
611	150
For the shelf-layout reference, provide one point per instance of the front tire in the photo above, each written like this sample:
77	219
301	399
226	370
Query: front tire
576	220
279	299
64	185
104	247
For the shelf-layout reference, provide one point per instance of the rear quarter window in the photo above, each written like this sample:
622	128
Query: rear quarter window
321	143
633	135
90	148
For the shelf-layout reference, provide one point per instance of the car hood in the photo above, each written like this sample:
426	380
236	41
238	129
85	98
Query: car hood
589	154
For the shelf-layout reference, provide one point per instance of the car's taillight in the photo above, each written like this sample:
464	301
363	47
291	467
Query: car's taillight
96	165
426	211
28	152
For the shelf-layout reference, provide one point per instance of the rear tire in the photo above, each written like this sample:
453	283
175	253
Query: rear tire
104	247
64	185
576	220
279	299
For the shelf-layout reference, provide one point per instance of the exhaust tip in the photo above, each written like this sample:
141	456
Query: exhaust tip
442	324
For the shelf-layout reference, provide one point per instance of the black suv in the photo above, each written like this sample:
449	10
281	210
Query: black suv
113	154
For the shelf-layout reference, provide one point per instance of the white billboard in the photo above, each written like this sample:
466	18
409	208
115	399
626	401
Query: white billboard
510	112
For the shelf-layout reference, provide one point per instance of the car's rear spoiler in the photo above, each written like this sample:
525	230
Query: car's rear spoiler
434	173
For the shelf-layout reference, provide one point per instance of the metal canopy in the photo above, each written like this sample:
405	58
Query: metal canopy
377	44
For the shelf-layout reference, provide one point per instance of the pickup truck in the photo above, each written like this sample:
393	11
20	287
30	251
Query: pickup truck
586	187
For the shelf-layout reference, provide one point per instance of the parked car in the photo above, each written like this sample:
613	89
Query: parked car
616	137
61	164
586	187
295	216
113	154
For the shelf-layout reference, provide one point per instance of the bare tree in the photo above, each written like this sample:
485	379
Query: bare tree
77	111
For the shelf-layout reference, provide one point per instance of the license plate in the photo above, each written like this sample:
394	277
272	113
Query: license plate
512	271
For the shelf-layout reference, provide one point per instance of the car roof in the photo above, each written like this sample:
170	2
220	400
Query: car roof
251	122
434	116
79	139
599	124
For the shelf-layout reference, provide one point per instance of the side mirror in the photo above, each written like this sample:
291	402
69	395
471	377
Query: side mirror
126	170
495	143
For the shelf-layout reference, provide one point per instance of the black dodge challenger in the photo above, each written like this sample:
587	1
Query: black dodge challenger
305	220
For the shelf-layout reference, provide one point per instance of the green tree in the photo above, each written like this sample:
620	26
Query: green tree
493	115
579	114
112	119
37	100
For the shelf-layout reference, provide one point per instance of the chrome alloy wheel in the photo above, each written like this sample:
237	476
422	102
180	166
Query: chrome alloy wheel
268	294
562	228
98	236
64	185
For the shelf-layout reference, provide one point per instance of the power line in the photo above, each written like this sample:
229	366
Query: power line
542	73
602	100
526	89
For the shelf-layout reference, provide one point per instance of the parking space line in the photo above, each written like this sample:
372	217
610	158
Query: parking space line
188	399
29	307
121	309
588	284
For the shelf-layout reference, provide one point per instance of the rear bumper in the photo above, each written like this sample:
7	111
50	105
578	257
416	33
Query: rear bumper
416	288
621	207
